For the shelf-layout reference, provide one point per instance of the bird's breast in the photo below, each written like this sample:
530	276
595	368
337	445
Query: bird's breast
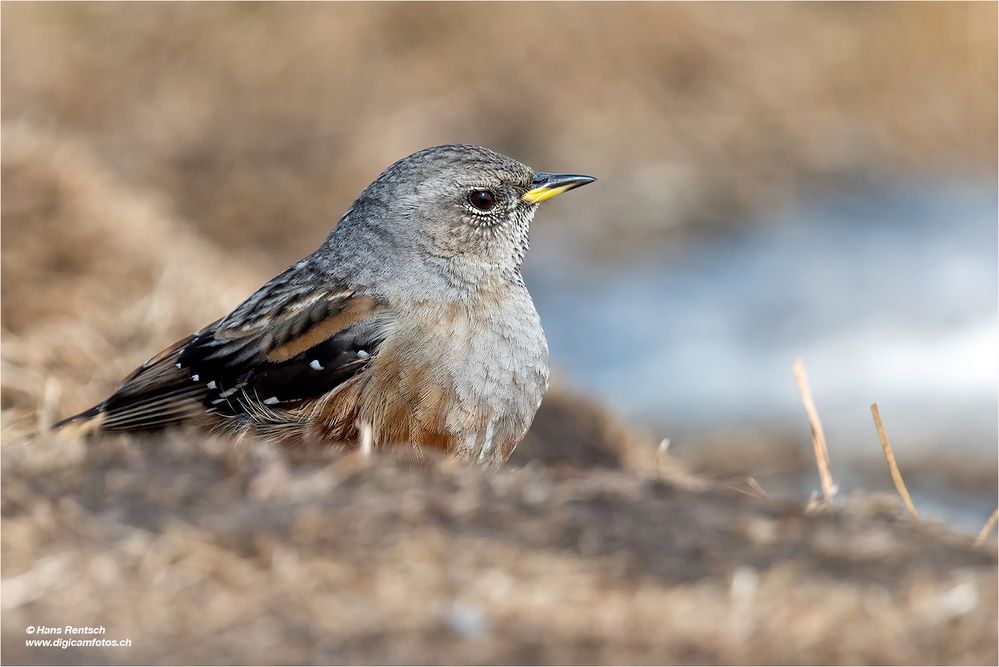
465	376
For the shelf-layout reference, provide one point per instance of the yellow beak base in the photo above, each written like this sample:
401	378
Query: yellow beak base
551	185
538	195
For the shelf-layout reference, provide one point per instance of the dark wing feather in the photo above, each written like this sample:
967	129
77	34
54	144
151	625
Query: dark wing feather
287	343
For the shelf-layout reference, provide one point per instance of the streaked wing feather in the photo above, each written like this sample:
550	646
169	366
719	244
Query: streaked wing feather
287	343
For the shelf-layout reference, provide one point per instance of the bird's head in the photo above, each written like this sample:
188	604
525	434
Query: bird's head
462	204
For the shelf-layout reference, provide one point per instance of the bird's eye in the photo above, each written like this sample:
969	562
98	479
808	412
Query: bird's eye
483	200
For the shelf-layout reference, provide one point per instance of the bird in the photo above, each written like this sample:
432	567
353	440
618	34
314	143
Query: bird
410	325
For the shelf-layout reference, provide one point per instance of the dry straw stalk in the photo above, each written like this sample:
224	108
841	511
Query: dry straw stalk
818	435
983	534
896	475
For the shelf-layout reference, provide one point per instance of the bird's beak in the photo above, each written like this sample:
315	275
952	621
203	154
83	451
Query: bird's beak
548	185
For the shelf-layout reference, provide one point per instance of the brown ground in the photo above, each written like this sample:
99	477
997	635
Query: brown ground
260	122
578	551
235	118
202	552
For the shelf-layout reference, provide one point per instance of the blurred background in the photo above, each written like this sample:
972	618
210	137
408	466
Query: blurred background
775	181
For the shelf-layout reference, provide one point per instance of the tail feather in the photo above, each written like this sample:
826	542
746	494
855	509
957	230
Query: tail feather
84	424
156	395
165	408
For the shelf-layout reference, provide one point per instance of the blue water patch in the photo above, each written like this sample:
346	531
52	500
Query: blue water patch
888	295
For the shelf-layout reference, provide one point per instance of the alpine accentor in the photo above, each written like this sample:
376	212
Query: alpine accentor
411	322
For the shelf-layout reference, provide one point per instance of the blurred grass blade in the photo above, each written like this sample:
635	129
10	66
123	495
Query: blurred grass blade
818	435
896	475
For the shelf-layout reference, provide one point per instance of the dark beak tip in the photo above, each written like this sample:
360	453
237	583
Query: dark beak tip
580	181
547	179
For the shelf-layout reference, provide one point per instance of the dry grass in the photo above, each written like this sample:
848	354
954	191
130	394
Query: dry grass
150	153
591	546
983	534
202	552
896	474
261	121
758	489
818	435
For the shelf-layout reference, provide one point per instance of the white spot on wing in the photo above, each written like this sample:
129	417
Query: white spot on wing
196	378
177	364
363	354
315	365
229	392
271	401
211	385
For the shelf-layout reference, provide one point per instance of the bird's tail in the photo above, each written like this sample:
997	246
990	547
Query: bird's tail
85	424
156	395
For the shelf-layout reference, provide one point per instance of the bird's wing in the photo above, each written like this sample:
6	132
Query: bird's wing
289	342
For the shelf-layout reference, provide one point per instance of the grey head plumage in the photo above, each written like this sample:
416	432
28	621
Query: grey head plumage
444	220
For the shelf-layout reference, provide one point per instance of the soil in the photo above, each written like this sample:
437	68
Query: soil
205	552
583	549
